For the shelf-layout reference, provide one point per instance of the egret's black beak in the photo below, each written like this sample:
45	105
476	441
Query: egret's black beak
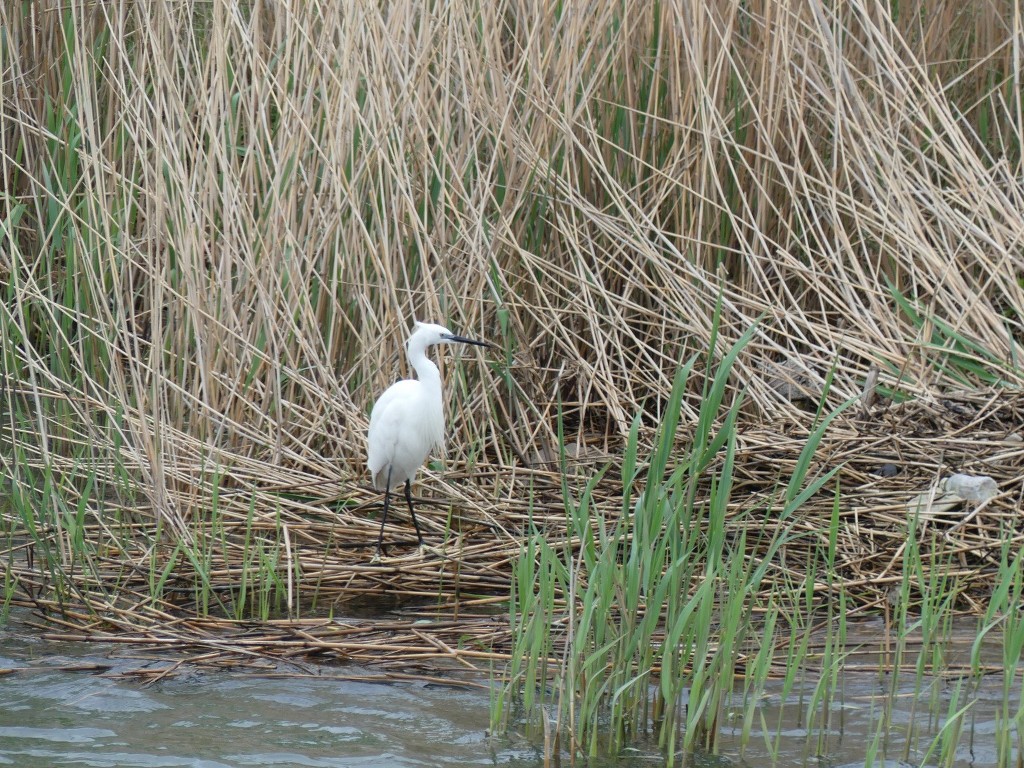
464	340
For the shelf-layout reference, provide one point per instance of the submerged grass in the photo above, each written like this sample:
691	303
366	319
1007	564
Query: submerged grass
659	623
659	607
217	221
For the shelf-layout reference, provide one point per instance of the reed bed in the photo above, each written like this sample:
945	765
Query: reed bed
218	220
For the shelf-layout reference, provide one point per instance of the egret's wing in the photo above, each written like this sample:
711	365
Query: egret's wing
385	423
405	425
400	390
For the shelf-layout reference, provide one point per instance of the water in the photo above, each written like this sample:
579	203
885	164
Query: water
108	717
53	717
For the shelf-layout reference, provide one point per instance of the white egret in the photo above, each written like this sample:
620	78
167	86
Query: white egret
407	422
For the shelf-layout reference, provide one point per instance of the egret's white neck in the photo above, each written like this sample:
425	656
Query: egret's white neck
425	369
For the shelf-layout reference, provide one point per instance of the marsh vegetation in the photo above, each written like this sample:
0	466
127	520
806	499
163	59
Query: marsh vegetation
753	268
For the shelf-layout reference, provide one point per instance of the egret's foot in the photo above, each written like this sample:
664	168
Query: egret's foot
421	552
425	551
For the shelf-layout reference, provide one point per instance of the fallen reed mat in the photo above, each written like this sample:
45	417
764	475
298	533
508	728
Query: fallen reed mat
448	611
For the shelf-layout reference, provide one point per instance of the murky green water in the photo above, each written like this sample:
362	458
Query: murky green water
56	717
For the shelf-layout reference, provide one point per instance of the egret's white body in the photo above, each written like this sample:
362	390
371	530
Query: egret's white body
407	421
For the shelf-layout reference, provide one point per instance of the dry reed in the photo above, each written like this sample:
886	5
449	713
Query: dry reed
219	219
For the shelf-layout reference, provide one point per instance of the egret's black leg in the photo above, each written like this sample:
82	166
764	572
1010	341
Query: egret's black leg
384	516
408	498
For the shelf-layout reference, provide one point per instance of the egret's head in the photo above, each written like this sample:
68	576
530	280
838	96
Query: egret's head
428	334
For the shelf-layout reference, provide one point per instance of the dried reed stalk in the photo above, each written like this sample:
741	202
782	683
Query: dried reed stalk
218	220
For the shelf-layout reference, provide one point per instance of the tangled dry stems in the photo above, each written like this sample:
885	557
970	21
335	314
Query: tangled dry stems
219	220
449	612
